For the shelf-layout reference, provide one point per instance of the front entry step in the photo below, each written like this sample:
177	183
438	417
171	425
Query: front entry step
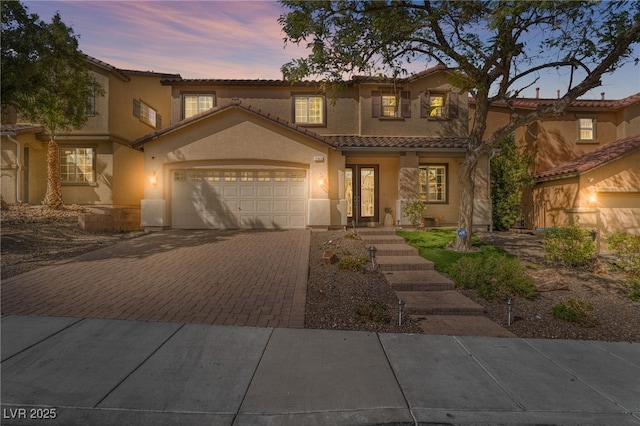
395	250
369	240
448	302
403	263
458	325
418	281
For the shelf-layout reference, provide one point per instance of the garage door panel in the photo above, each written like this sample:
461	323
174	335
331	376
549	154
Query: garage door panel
238	199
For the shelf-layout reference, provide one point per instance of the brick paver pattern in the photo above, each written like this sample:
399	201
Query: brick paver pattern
245	278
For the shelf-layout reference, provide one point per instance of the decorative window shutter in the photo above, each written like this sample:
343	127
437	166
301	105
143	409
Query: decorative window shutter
376	103
158	121
425	104
453	105
405	104
136	108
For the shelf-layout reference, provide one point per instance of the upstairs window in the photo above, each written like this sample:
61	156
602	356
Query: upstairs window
146	114
194	104
438	105
390	104
586	128
77	165
308	109
433	180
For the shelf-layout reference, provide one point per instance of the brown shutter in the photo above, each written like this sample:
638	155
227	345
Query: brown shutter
453	105
376	103
158	121
425	104
405	104
136	108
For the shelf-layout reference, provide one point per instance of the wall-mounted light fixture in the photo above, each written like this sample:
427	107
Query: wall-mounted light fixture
321	180
153	179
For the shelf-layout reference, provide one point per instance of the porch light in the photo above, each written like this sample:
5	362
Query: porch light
593	198
321	180
153	179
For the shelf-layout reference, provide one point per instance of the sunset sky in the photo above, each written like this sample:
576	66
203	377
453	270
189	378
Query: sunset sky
219	39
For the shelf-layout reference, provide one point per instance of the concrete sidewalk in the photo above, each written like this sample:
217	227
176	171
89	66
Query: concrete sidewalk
120	372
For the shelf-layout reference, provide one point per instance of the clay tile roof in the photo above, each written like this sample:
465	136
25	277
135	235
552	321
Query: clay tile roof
396	142
178	81
533	103
593	159
16	129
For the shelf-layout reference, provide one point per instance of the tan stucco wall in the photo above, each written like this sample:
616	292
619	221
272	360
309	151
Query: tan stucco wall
238	139
278	100
122	123
414	125
128	176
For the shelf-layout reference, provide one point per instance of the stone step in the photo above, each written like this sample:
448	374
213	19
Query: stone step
460	325
438	303
376	231
395	250
418	281
369	240
403	263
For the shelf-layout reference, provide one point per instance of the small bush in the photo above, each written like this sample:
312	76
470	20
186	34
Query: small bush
626	248
493	277
575	311
351	235
374	311
413	210
352	263
571	245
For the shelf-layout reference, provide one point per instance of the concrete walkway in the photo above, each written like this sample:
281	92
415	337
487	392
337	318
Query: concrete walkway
247	278
118	372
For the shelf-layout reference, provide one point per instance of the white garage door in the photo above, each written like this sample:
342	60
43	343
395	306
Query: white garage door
231	199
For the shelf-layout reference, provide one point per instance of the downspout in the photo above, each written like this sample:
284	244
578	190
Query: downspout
19	164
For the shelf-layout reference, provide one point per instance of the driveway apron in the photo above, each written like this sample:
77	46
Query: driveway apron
245	278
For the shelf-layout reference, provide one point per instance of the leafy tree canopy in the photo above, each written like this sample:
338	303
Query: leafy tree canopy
44	74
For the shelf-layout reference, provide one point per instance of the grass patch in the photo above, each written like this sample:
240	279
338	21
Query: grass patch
575	311
634	289
489	270
432	246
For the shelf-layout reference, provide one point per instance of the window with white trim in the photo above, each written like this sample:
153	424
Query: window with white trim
309	109
586	128
433	180
77	165
194	104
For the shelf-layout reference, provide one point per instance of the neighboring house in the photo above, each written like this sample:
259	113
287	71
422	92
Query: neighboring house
98	167
272	154
586	163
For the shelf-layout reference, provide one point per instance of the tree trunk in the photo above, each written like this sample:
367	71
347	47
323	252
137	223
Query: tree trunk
466	185
53	196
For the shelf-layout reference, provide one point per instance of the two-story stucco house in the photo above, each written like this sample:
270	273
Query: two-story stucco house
586	163
271	154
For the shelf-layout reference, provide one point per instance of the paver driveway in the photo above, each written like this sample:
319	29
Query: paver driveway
252	278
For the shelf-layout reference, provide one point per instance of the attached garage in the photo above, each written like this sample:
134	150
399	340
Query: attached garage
238	198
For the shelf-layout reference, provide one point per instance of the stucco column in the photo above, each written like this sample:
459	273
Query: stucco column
408	183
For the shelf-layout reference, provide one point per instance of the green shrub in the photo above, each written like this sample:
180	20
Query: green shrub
571	245
413	210
374	311
634	289
493	277
351	235
626	248
576	311
352	263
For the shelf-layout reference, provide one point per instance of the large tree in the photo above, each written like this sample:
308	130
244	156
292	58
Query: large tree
499	48
47	79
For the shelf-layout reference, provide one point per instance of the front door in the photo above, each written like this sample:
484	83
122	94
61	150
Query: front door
361	193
